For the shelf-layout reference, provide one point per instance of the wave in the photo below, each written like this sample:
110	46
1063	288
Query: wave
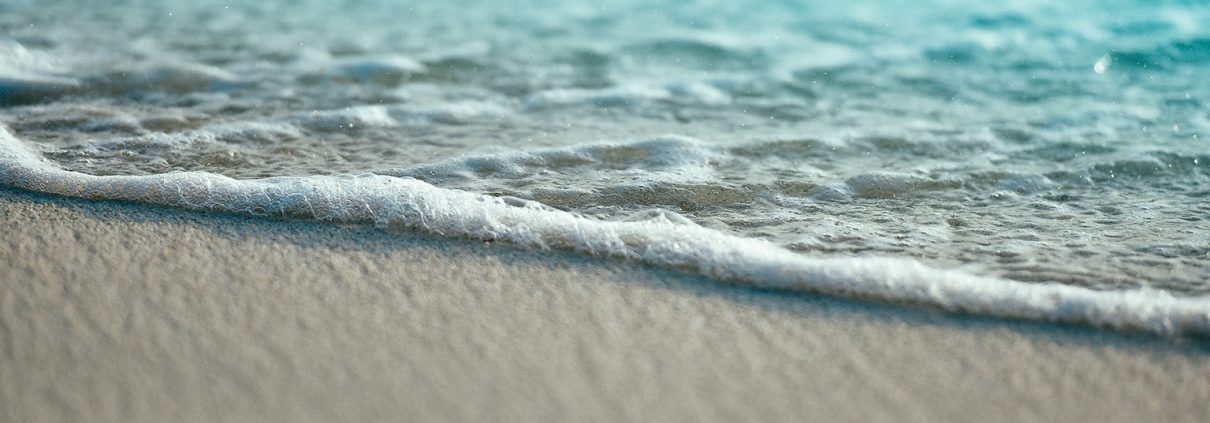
403	203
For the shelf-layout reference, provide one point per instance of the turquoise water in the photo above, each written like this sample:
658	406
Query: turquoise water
1035	148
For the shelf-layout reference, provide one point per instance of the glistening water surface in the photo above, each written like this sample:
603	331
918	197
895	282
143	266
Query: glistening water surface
1025	141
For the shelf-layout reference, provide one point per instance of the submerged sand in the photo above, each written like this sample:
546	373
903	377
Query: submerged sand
119	312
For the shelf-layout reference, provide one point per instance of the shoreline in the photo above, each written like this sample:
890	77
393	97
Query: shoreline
124	312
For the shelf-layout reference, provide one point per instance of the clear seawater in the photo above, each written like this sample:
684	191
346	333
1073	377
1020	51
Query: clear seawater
1029	143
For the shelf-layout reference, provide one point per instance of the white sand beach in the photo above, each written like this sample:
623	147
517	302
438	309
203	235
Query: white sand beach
120	312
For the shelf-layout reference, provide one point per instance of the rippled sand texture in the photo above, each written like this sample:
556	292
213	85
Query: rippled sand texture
1034	142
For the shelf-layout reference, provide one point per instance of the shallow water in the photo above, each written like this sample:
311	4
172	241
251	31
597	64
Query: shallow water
1031	142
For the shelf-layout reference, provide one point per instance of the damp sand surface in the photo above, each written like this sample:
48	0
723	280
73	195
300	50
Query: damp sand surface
118	312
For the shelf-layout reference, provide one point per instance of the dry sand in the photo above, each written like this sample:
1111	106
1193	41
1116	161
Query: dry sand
118	312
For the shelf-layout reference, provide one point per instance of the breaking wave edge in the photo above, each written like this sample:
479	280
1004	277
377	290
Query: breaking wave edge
410	204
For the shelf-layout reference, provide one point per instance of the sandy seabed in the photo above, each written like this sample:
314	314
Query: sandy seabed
121	312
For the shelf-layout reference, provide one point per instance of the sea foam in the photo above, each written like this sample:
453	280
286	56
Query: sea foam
405	203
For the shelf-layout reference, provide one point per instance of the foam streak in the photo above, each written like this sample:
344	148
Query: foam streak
403	203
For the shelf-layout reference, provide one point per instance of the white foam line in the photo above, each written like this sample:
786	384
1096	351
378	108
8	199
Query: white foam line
408	203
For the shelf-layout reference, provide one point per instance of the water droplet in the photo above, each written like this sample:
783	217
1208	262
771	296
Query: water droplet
1103	64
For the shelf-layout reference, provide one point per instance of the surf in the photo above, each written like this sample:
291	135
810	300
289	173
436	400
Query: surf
402	203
